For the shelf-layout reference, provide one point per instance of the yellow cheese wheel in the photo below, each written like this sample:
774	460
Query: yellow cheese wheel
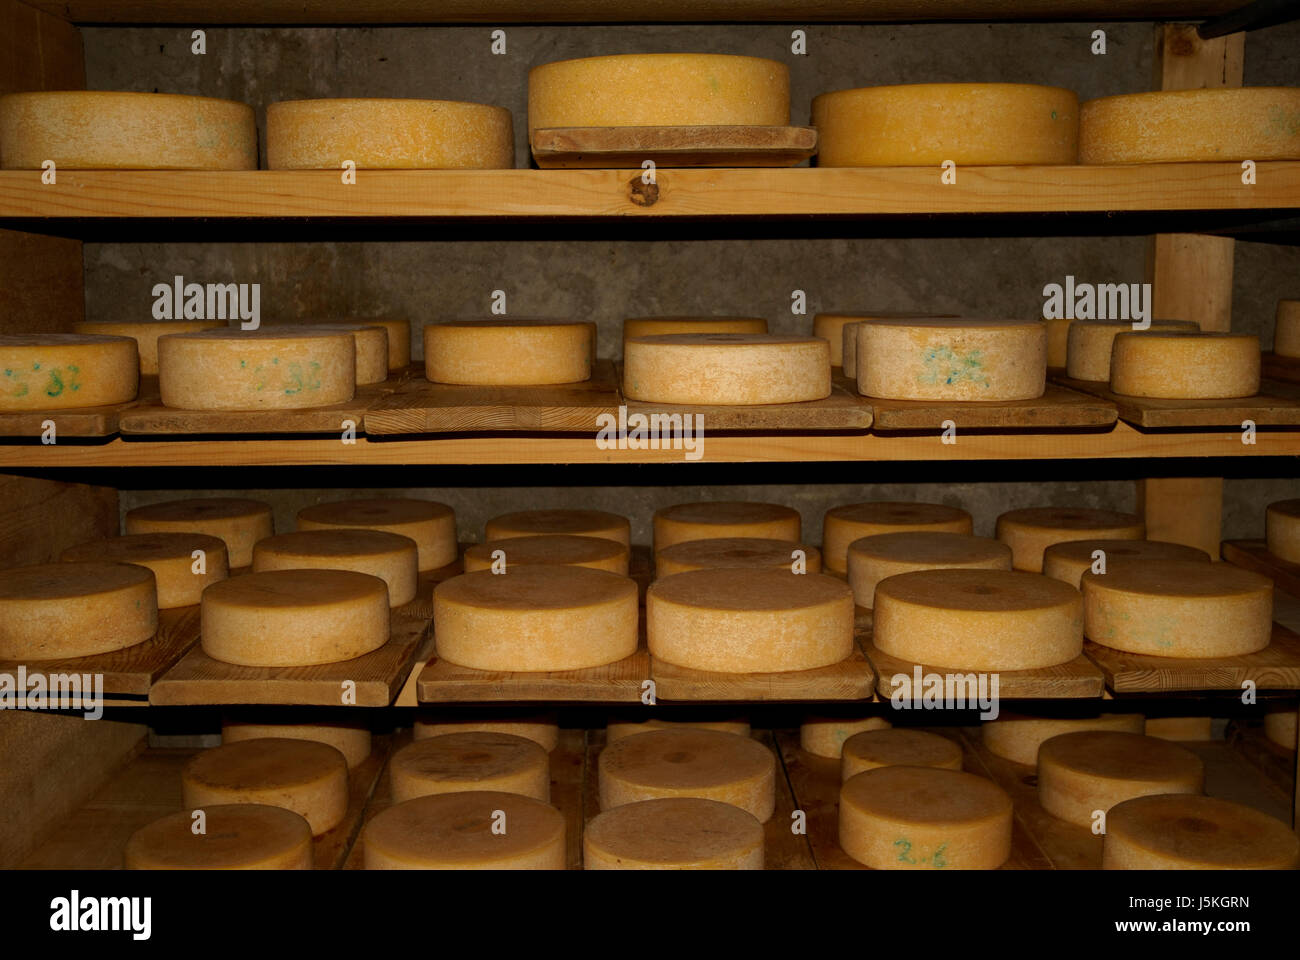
1089	344
1018	737
849	342
1058	342
673	833
1180	728
924	818
1286	329
978	619
872	559
430	524
370	343
1089	770
897	747
171	558
1178	608
578	523
657	326
727	369
350	739
55	371
557	549
541	728
844	524
1280	727
1189	832
925	124
535	618
689	763
473	760
54	611
825	736
273	368
236	521
473	830
399	336
508	352
145	334
294	618
749	621
1175	126
659	89
618	729
1069	560
110	130
750	552
830	327
1185	366
389	556
1031	530
237	836
304	776
952	359
1282	530
724	518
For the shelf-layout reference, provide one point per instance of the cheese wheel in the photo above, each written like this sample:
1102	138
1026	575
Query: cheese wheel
952	359
557	549
294	618
1058	342
617	730
1282	530
236	521
659	89
171	558
978	619
749	621
350	739
844	524
473	760
55	371
924	818
1089	770
1286	329
1180	728
304	776
849	344
872	559
272	368
724	518
109	130
1280	727
145	334
749	552
1089	344
389	556
1069	560
689	763
237	836
369	342
1031	530
397	329
56	611
541	728
508	352
430	524
657	326
581	523
830	327
388	134
1177	126
1185	366
673	833
825	736
1016	737
1178	608
1189	832
535	618
727	369
897	747
455	831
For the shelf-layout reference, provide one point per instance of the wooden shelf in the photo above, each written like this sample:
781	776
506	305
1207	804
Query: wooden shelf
1078	679
627	148
1057	408
1266	410
851	679
1254	555
1276	667
1276	367
443	682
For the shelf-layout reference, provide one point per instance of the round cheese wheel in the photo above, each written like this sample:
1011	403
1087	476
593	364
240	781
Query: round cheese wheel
657	326
659	89
294	618
55	371
844	524
1089	770
617	730
1030	531
508	352
370	345
473	760
578	523
473	830
1017	737
309	778
1058	342
724	518
267	369
978	619
727	369
535	618
749	621
1173	365
236	836
171	558
1176	126
1189	832
924	818
391	557
1286	329
431	525
689	763
1178	608
350	739
1282	530
557	549
1069	560
849	344
145	334
56	611
541	728
1089	344
237	522
673	833
830	327
897	747
872	559
1280	727
749	552
399	336
825	736
952	359
1180	728
109	130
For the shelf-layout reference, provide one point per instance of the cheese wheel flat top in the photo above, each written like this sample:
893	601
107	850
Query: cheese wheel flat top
473	760
141	548
342	543
199	509
1071	559
726	368
925	795
145	334
682	759
454	831
825	736
618	729
380	511
353	740
532	523
65	581
1180	728
1060	519
536	587
931	547
657	326
1195	832
239	836
889	513
560	549
978	590
61	370
749	552
295	589
1031	530
898	746
721	589
268	762
1114	755
674	833
1017	736
541	728
727	512
1182	365
1089	344
1180	578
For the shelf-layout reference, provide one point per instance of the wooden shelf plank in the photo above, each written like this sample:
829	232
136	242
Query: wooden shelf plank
1057	408
443	682
851	679
1276	667
1276	367
100	421
1267	410
1254	555
627	148
1077	679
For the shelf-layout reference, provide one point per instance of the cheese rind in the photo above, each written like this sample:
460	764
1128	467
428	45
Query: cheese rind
540	728
748	552
1016	737
1185	366
897	747
237	836
1282	530
350	739
673	833
399	336
171	558
237	521
508	352
430	524
391	557
473	760
1031	530
583	523
56	611
825	736
56	371
1069	560
726	369
1058	341
657	326
724	518
145	334
874	558
849	333
369	342
557	549
1280	727
1286	329
1188	832
848	522
618	729
1180	728
1089	344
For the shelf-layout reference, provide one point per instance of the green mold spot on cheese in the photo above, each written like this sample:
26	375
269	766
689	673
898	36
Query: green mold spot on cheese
20	390
713	84
243	364
55	386
944	365
1282	122
1053	114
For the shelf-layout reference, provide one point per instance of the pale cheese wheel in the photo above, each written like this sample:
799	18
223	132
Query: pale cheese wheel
897	747
473	760
350	739
304	776
924	818
171	558
673	833
952	359
830	327
844	524
849	343
1069	560
618	729
1031	530
1189	832
541	728
1089	344
978	619
369	342
557	549
578	523
266	369
237	836
1185	366
236	521
724	518
145	334
454	831
391	557
535	618
749	552
1058	341
294	618
727	369
825	736
56	371
509	352
874	558
1178	126
1178	608
1015	737
430	524
657	326
111	130
749	621
1286	329
1180	728
1092	770
399	336
1280	727
1282	530
56	611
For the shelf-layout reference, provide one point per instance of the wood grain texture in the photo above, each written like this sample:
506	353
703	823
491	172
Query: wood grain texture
1276	667
39	50
1254	555
1186	510
80	422
1057	408
698	146
1066	681
619	682
850	679
39	519
1267	410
